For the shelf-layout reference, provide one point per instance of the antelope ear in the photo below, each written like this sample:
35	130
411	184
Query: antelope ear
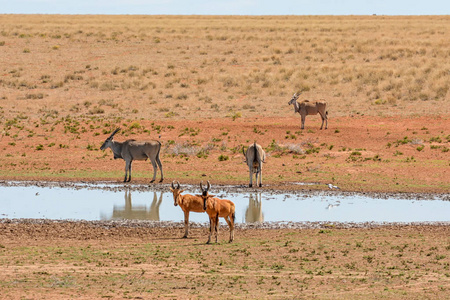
181	191
198	196
171	189
211	196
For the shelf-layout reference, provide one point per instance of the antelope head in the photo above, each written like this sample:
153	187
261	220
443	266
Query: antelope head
176	192
294	98
205	195
107	142
245	154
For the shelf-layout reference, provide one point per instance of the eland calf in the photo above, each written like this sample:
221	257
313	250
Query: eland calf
135	150
306	107
187	203
254	157
216	208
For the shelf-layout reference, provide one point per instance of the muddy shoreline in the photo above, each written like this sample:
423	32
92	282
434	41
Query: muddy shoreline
118	187
241	226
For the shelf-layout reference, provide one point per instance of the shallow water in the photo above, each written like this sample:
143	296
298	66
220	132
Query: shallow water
97	203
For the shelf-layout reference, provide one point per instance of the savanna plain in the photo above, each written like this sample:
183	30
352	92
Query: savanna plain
205	87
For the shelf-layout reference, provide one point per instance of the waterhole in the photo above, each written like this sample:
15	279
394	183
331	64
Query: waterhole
122	202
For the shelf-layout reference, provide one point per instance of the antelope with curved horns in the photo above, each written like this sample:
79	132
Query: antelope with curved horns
135	150
216	208
254	157
306	107
187	203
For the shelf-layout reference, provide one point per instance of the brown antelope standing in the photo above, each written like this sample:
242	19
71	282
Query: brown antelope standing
187	203
216	208
255	157
306	107
135	150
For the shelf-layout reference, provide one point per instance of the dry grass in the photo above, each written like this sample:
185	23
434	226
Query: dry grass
176	66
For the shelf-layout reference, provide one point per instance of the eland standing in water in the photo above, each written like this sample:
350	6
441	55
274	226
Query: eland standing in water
135	150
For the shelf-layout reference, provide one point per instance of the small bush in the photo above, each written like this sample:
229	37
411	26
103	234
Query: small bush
236	115
223	157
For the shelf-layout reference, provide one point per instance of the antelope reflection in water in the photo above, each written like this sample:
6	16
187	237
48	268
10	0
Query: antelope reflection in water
138	212
254	214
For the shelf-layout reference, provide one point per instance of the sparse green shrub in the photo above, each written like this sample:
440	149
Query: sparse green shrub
134	125
235	115
436	139
171	114
404	141
397	153
202	153
223	157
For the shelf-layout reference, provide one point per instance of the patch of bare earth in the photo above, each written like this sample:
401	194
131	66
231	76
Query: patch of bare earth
57	260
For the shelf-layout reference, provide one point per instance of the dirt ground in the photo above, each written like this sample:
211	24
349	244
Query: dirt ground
93	260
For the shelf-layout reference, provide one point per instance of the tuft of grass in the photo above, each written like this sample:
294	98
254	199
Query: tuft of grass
223	157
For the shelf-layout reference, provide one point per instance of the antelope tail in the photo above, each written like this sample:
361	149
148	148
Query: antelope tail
256	152
159	148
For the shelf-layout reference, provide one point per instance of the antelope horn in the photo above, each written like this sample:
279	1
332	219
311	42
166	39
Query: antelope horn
209	186
112	134
173	185
201	186
178	184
